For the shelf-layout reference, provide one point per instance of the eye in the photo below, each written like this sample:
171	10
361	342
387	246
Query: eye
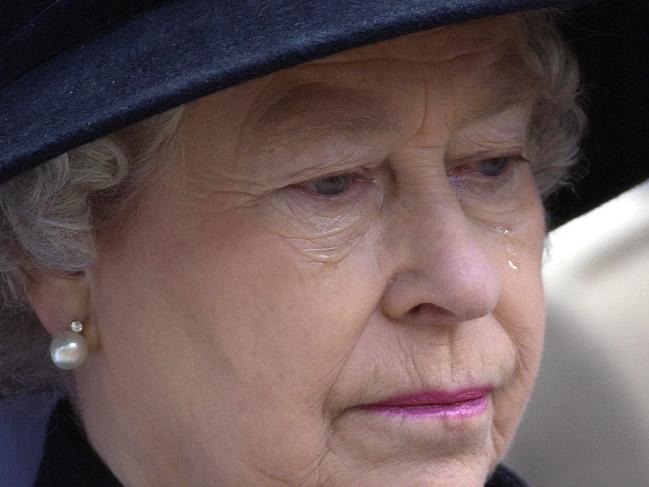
494	167
488	178
487	168
331	185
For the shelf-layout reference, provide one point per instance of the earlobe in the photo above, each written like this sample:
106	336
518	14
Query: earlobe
58	300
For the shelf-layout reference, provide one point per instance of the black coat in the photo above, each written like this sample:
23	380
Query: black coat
70	461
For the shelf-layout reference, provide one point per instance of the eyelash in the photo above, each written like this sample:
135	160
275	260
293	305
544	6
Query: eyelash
474	182
354	180
462	176
460	170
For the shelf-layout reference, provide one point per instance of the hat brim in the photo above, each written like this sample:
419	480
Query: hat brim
182	50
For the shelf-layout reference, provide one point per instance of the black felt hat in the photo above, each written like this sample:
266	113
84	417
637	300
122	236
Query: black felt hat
74	70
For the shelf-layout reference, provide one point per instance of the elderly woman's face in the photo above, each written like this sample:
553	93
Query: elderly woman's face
327	240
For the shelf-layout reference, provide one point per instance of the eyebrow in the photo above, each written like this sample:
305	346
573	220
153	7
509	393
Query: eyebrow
318	110
516	86
494	106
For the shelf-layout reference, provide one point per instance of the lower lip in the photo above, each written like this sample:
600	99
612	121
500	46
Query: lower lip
463	409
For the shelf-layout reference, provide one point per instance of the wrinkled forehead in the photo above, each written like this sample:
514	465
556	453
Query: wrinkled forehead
363	91
486	52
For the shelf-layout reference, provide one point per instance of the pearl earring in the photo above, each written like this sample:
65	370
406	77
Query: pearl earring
69	349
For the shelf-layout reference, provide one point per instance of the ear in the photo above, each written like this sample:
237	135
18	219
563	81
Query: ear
58	300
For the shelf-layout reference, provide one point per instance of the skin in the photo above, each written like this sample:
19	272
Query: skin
238	318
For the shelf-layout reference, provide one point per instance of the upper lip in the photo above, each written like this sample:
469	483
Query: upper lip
434	397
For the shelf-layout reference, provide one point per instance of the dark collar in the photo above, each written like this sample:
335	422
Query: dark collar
68	458
70	461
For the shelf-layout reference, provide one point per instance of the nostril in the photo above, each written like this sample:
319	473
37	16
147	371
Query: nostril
427	310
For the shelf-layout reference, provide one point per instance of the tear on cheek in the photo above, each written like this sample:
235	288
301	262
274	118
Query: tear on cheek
322	234
326	250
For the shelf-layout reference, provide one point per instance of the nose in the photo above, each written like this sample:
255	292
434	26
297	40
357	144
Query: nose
441	272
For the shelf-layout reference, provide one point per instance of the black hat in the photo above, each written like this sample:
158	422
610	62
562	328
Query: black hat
74	70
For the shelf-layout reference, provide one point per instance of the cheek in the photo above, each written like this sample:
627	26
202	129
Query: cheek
232	332
521	312
323	230
286	326
259	330
524	324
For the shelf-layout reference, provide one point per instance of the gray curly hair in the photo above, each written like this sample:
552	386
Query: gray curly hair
48	214
47	221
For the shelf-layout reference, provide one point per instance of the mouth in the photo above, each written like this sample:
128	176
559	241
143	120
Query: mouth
460	403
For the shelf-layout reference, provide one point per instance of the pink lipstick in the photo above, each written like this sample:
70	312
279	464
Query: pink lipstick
445	404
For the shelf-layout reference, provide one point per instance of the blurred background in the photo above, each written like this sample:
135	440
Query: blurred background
587	423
